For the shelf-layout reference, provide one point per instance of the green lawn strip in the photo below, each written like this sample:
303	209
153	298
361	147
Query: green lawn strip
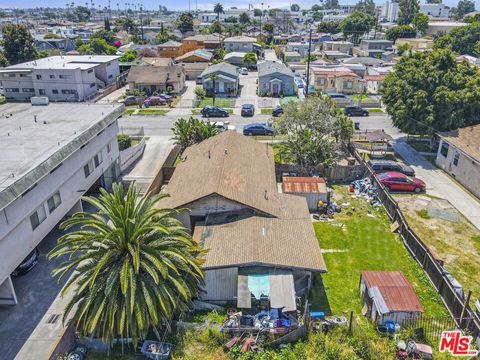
152	112
420	146
129	111
266	111
375	110
3	100
369	245
221	102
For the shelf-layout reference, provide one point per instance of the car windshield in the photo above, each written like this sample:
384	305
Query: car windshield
383	176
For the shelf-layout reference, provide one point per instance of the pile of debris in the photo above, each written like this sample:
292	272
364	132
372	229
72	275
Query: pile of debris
274	321
367	189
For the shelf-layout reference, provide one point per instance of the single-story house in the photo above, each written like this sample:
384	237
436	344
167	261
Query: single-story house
227	82
340	46
459	155
292	57
275	79
170	49
194	70
314	189
388	296
300	47
260	243
195	56
236	58
336	79
63	44
372	48
157	75
442	27
375	76
334	55
240	44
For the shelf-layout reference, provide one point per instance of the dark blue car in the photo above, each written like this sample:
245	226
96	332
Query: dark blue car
258	129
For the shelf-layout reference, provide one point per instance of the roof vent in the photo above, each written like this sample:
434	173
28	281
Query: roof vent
264	231
226	152
209	155
266	195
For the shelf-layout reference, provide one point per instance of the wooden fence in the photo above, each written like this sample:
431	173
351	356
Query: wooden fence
458	307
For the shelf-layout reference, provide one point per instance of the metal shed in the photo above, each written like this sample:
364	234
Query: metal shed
314	189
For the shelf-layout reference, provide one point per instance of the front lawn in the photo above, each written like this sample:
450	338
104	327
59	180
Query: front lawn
152	112
266	111
355	243
221	102
375	110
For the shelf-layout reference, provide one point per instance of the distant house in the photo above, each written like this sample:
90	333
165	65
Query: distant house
340	46
240	44
275	79
170	49
300	47
157	75
415	44
337	79
388	296
202	41
442	27
227	82
193	70
292	57
373	48
459	155
63	44
335	55
374	78
236	58
195	56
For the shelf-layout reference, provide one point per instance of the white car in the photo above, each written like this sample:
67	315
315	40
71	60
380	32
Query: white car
244	71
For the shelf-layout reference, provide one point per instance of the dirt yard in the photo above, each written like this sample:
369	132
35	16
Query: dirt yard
448	234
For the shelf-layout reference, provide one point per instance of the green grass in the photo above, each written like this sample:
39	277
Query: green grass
368	244
285	100
3	100
476	242
129	112
152	112
420	146
222	102
375	110
360	96
266	111
423	214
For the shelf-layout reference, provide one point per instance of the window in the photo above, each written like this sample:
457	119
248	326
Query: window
65	76
92	85
41	91
109	148
88	168
29	90
444	149
52	76
11	75
38	216
89	71
98	159
348	84
69	92
54	202
456	158
23	75
55	91
321	81
110	76
12	90
39	77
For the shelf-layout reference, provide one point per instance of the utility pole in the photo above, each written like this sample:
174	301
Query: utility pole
261	15
308	59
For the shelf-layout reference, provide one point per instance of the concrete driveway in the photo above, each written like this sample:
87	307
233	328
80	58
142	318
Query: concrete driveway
248	94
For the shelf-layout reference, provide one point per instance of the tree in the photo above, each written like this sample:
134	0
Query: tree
244	18
129	56
462	40
407	10
331	27
257	12
366	6
124	141
463	7
185	22
430	91
134	265
249	59
106	22
164	35
3	60
218	9
108	36
399	32
52	36
187	132
97	46
356	25
199	92
17	44
214	78
81	14
331	5
215	27
295	7
268	28
316	7
434	1
231	20
420	23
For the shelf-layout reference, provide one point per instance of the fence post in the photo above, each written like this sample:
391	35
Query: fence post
350	324
464	307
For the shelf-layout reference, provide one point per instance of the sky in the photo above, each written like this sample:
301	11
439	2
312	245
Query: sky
178	4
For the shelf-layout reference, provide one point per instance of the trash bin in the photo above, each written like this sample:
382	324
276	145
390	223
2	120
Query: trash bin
357	125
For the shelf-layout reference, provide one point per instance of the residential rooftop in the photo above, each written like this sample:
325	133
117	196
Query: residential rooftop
82	62
31	149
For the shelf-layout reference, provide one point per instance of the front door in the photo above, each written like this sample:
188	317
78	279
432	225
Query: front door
275	89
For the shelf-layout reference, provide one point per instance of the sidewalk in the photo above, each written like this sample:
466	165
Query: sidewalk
438	183
112	97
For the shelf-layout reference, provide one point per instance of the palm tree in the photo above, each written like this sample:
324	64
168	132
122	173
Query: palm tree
218	9
135	265
192	131
249	59
213	77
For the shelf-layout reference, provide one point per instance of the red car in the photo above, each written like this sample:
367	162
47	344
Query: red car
397	181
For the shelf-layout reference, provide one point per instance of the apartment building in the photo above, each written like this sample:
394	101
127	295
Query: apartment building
60	78
51	156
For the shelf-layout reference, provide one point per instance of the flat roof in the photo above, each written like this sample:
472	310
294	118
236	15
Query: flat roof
63	62
30	149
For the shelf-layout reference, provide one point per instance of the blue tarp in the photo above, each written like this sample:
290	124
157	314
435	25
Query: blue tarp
259	285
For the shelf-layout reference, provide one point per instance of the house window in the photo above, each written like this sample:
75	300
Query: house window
69	92
444	149
11	75
456	158
52	76
38	217
54	91
41	91
98	159
110	76
88	168
89	71
39	77
92	85
109	148
54	202
28	90
66	77
348	84
12	90
321	81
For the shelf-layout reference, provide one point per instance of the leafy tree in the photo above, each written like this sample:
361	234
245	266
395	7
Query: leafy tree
108	36
461	40
244	18
219	54
97	46
52	36
472	18
17	44
215	27
124	141
399	32
218	9
430	91
257	12
316	7
164	35
134	265
463	7
231	20
331	27
366	6
407	10
81	14
106	22
199	92
3	59
295	7
331	4
401	49
249	59
356	25
434	1
317	16
129	56
268	28
420	23
185	22
187	132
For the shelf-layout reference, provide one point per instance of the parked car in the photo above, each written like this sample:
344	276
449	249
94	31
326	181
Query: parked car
248	110
27	264
154	100
132	100
199	80
258	129
341	100
277	111
396	181
381	166
243	71
223	126
214	111
353	110
300	83
311	89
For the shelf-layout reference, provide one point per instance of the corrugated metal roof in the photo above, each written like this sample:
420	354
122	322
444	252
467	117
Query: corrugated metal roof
397	292
304	185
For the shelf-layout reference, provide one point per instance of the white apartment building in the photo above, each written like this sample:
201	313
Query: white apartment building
389	11
51	156
60	78
435	10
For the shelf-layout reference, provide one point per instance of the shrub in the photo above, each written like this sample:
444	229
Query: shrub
199	93
423	214
124	141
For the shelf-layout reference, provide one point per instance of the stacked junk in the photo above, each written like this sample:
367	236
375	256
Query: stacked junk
367	189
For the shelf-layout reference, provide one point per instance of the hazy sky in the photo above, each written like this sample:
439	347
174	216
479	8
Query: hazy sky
176	4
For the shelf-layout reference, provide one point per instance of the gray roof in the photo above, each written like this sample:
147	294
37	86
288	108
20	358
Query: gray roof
240	39
268	67
224	68
369	61
171	43
63	62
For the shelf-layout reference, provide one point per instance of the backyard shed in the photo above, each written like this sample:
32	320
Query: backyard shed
314	189
388	296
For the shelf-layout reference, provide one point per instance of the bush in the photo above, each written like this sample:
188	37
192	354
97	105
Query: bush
124	141
423	214
199	93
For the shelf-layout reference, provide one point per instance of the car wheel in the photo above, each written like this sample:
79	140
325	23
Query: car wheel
250	134
81	348
76	355
225	115
417	190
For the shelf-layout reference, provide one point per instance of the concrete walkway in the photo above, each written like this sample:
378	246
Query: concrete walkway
184	106
112	97
438	183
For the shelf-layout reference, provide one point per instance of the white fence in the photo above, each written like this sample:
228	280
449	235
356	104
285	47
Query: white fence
130	155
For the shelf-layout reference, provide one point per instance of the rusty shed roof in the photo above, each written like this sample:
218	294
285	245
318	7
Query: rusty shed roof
396	290
294	184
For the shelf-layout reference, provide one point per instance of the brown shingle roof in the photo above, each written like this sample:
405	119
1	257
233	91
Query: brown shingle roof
466	139
396	290
155	74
